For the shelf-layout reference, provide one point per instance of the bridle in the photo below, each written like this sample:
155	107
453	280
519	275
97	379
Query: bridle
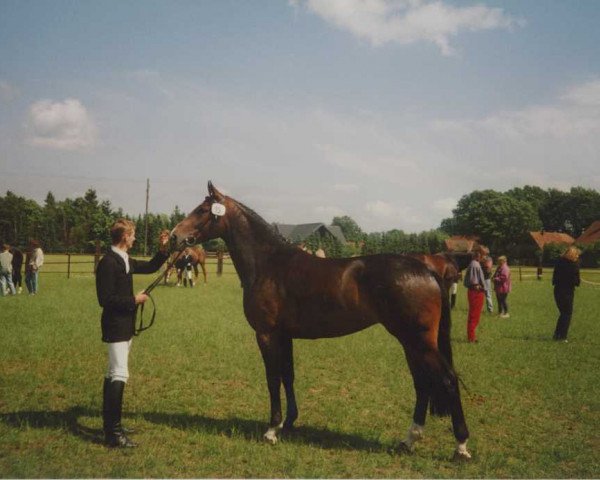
189	241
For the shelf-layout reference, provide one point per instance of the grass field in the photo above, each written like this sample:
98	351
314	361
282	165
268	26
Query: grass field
198	400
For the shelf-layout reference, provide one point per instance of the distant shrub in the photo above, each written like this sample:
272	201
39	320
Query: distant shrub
552	251
590	255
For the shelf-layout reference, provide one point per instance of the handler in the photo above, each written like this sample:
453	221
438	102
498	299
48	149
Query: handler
114	286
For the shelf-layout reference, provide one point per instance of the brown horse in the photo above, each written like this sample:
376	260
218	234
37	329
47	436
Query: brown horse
444	265
198	258
289	294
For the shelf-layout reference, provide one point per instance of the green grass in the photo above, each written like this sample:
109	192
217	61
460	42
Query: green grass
197	393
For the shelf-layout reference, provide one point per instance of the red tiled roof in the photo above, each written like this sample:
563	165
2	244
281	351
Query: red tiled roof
543	238
460	243
591	234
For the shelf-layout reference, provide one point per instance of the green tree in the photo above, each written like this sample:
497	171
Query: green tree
499	220
533	195
350	228
20	219
176	217
51	224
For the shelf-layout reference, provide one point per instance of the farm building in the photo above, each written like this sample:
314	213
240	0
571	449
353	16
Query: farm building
590	235
542	238
300	233
461	243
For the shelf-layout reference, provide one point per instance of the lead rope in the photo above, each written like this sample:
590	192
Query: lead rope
139	326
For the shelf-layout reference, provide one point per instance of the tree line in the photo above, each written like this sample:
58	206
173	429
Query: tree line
74	224
501	220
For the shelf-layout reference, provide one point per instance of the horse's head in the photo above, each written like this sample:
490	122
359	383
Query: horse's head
207	221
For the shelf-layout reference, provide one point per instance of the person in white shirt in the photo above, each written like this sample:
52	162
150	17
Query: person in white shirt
33	262
6	282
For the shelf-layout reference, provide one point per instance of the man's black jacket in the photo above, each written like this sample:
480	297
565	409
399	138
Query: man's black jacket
565	275
115	293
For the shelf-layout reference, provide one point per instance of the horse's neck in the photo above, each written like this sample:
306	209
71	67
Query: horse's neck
251	245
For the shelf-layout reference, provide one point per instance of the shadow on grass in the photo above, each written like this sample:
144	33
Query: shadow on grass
232	427
68	420
253	430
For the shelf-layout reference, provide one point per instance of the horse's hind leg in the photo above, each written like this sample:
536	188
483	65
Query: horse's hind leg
416	429
270	348
444	395
203	266
287	375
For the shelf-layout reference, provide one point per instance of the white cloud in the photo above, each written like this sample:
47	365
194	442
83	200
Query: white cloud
574	115
550	145
409	21
587	94
61	125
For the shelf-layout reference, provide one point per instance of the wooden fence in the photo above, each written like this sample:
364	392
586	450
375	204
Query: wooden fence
74	261
588	275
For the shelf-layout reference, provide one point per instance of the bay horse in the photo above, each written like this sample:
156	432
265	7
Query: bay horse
288	293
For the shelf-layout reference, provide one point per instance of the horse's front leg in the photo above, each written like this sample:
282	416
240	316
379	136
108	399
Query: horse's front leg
270	348
287	375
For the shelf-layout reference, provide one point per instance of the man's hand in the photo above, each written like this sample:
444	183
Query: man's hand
141	298
163	242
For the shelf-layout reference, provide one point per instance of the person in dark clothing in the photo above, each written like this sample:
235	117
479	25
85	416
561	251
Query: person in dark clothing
114	287
17	266
565	278
187	265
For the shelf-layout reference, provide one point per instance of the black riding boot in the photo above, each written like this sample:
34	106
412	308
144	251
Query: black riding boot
452	300
114	436
126	431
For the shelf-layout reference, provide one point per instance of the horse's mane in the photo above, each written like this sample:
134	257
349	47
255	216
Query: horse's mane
266	229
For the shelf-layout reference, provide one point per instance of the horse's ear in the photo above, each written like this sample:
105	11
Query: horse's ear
214	193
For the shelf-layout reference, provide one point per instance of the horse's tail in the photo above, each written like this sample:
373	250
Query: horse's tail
444	345
444	393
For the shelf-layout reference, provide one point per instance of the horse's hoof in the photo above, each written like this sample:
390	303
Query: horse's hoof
464	456
270	437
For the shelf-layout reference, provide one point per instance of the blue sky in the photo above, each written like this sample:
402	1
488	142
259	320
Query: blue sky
384	110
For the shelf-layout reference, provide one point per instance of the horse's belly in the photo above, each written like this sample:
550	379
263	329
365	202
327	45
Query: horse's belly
329	324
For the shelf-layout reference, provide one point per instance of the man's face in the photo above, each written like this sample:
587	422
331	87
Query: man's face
129	239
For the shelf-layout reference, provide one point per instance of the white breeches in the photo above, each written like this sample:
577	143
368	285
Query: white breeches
118	356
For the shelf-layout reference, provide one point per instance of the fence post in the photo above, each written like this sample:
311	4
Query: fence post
520	274
68	265
219	263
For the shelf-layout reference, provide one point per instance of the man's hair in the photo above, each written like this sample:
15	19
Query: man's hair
572	254
5	246
120	228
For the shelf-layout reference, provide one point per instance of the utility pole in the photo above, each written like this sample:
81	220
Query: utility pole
146	217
